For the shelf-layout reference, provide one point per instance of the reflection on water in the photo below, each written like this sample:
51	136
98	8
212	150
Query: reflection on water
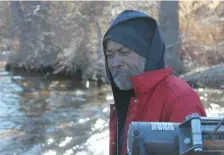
49	117
213	100
43	117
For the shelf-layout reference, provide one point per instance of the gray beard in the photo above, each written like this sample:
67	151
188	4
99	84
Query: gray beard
123	84
122	77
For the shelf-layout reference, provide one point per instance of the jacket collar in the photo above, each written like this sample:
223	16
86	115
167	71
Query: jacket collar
146	81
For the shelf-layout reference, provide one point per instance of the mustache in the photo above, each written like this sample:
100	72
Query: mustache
120	72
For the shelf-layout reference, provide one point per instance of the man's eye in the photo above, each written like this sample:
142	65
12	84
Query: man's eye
125	53
109	55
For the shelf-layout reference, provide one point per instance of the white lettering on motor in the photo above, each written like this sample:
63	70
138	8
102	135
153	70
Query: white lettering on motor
162	126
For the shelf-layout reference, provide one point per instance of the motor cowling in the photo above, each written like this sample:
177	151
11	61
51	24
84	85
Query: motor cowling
195	136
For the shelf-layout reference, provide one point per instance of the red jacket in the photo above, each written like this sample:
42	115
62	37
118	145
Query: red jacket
160	97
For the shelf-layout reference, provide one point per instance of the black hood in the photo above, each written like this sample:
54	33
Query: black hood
156	52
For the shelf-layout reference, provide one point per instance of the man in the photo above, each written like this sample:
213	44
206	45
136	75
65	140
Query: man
143	88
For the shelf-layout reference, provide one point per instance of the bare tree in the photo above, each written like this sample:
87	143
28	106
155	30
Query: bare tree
169	24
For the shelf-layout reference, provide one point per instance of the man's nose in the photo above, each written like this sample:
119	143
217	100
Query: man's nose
116	61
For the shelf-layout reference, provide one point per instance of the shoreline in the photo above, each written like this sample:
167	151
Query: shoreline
47	73
197	79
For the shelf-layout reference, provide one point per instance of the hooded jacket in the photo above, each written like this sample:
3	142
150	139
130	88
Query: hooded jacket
157	94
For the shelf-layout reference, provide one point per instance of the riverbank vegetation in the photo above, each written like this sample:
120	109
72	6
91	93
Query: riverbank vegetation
65	37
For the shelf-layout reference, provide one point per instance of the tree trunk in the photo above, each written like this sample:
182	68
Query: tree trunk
212	77
18	20
169	24
31	23
99	36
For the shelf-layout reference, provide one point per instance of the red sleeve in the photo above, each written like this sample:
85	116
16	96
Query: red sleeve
186	105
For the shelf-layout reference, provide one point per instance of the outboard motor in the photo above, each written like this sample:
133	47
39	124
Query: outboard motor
195	136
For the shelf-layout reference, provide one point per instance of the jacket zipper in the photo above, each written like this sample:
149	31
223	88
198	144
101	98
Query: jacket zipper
123	129
123	133
117	143
120	138
121	141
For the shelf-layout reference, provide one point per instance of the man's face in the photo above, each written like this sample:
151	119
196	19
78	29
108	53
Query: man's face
123	63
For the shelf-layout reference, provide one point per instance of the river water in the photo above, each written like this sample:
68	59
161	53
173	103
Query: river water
62	117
